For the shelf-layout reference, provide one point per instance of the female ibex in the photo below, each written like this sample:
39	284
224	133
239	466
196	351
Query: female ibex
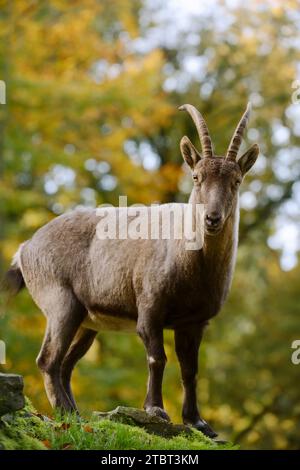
84	284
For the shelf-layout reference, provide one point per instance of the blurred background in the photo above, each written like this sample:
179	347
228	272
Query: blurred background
92	90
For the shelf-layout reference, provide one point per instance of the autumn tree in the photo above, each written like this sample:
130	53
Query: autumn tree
92	94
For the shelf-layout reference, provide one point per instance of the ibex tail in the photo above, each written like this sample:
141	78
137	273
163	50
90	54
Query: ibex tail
13	280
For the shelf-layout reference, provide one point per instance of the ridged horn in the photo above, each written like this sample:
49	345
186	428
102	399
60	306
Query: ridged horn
236	140
206	144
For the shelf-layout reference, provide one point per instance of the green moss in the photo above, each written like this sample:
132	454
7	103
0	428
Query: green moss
26	430
18	440
108	435
23	430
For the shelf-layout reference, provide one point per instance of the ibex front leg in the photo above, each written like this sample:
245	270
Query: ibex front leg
151	332
187	342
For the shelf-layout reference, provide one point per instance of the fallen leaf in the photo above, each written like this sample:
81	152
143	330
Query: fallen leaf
65	426
67	446
87	428
47	443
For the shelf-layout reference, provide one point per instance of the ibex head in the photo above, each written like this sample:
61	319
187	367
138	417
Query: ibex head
217	179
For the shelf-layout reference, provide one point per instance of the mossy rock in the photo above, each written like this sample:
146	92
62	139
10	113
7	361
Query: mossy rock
11	393
151	423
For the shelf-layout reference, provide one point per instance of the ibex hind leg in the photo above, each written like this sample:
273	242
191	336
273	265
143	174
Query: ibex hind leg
80	345
64	315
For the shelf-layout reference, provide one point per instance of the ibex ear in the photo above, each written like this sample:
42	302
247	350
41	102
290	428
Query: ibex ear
248	159
189	152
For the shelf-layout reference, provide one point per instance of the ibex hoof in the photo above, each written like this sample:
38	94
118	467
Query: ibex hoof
157	411
202	426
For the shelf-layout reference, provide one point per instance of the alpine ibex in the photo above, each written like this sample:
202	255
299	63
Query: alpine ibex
84	284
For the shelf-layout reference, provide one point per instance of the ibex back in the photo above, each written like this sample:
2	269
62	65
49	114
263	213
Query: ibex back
84	284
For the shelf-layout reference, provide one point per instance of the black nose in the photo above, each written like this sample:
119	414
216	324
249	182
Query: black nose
213	219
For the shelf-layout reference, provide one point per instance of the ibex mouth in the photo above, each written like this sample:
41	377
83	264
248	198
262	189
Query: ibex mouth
213	223
213	230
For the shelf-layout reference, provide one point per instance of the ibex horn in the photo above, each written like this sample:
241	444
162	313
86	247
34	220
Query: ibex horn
238	135
202	129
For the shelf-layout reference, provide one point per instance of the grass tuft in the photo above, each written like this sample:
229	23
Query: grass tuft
27	430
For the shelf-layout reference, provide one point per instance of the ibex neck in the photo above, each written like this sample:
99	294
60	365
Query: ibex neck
223	243
219	255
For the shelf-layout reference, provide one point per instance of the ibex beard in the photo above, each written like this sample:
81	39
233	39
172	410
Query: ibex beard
83	283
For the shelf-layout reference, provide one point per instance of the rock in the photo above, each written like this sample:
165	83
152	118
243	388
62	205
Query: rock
140	418
11	393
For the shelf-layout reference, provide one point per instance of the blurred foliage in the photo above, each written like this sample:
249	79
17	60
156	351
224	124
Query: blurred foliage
92	94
